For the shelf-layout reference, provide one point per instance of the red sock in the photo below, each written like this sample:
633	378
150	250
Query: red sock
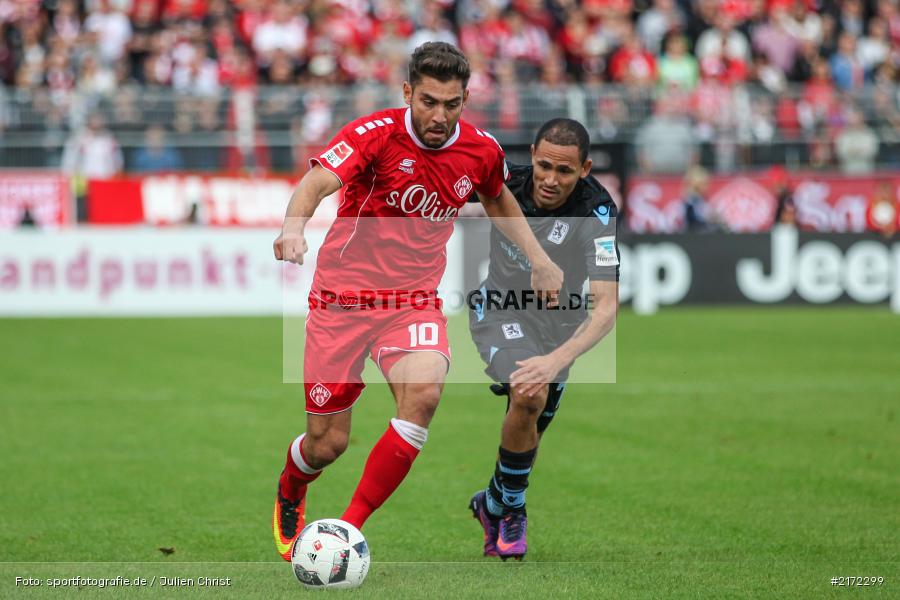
388	464
293	482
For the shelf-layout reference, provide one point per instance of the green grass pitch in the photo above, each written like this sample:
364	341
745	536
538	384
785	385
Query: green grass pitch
742	453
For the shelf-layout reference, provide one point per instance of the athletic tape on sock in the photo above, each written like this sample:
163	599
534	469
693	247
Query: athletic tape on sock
413	434
298	457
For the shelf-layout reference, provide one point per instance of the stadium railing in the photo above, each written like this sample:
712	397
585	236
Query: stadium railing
732	128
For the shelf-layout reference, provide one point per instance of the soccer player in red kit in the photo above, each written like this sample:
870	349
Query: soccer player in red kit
405	172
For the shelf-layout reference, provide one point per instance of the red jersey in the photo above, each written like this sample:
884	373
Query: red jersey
400	201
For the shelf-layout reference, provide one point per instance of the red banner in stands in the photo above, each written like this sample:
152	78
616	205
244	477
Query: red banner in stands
181	199
41	199
827	203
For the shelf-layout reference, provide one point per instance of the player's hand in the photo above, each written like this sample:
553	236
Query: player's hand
547	280
534	373
290	246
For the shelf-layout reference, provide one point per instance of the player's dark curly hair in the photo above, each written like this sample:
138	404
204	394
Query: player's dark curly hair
565	132
439	60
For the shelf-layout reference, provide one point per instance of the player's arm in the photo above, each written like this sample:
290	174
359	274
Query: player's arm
317	184
541	370
506	215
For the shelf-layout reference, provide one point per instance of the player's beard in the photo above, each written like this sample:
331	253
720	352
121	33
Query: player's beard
422	132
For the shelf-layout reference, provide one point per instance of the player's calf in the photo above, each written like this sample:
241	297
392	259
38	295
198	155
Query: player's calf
554	397
519	431
323	442
388	464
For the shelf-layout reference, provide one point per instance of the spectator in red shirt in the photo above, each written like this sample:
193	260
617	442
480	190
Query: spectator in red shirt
525	44
183	10
251	15
482	32
585	46
632	64
603	9
508	106
536	13
395	12
345	27
888	10
819	96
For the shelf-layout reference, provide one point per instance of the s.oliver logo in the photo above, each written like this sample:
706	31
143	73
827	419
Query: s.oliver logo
416	199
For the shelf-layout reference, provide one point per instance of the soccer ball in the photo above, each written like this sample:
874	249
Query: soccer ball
330	553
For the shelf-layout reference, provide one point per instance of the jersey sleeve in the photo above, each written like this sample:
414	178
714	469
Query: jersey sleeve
599	240
495	169
507	178
350	152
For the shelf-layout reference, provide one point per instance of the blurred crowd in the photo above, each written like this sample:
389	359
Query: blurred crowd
718	77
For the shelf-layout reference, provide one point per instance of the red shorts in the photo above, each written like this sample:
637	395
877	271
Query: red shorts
337	342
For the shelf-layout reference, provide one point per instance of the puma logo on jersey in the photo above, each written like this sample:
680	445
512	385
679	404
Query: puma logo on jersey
406	165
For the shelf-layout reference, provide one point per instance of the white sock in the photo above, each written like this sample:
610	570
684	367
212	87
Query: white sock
413	434
298	458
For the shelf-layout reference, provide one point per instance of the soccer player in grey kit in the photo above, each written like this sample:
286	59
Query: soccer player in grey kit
529	345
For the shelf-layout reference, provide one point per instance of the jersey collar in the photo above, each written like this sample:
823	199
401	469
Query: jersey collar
407	119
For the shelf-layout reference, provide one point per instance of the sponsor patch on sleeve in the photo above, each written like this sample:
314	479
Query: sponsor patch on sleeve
605	251
337	154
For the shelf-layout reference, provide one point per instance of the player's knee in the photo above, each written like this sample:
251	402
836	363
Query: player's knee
531	404
420	403
324	448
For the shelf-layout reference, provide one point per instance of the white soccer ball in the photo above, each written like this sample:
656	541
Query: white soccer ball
330	553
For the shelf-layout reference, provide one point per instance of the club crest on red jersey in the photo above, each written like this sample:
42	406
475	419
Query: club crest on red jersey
337	154
463	187
319	394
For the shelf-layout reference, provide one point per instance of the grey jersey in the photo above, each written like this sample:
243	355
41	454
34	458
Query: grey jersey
579	236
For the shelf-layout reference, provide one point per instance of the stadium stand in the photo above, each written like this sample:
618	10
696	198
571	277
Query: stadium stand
256	85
